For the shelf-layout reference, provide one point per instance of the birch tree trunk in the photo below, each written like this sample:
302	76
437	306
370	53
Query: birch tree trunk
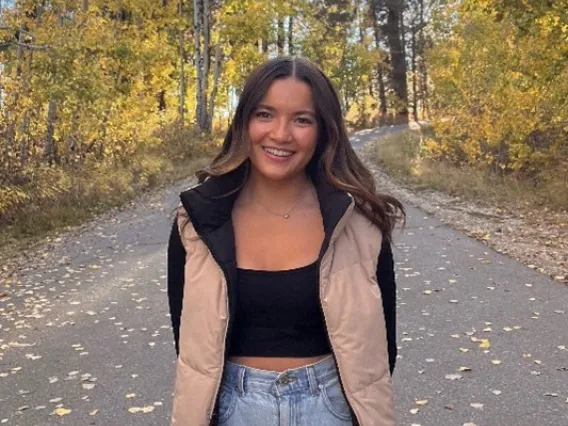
204	125
216	72
181	108
198	63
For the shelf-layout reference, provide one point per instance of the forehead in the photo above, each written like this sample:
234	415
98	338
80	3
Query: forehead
289	94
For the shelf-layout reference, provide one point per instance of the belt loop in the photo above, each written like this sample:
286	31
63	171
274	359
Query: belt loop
241	381
312	380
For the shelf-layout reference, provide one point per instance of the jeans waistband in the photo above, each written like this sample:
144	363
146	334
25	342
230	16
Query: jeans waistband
307	378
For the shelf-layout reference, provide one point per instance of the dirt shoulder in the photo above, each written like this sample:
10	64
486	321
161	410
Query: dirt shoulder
536	238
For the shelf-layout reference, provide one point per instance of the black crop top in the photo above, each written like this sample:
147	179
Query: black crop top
278	314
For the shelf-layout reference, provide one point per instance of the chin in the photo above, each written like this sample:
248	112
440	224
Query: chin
276	175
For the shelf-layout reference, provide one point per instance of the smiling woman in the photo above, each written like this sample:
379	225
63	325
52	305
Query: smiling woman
281	263
283	132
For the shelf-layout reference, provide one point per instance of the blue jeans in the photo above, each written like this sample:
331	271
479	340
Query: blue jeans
305	396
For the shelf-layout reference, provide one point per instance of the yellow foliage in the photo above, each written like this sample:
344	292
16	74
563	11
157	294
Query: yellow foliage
501	84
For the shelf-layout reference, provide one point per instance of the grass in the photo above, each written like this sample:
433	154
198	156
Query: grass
399	154
56	198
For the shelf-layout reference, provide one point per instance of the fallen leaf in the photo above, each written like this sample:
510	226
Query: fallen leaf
464	369
422	402
145	410
453	376
496	361
61	411
414	411
93	412
131	395
496	392
477	405
485	344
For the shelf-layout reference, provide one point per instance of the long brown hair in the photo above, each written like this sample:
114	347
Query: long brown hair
334	159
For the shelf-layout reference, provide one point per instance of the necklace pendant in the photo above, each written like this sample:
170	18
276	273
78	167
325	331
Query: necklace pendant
286	216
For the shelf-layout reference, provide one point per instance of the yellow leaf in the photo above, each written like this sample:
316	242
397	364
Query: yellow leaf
496	361
145	410
422	402
61	411
131	395
485	344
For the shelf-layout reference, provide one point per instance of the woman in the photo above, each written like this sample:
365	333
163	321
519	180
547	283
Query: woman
280	262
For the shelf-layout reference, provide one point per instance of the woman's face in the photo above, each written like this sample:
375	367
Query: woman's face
283	131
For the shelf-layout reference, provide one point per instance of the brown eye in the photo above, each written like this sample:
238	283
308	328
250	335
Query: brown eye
262	114
304	120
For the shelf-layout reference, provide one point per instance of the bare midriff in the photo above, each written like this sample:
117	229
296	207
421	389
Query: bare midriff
275	363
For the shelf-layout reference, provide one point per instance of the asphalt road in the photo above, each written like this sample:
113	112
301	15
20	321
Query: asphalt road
85	337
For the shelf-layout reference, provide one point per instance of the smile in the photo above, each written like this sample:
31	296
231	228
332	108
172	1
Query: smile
278	152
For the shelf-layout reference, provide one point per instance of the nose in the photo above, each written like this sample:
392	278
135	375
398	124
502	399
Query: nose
280	132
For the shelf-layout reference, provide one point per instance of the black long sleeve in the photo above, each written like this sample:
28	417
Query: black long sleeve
176	267
387	284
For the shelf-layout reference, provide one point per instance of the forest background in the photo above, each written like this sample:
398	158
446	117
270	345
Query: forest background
100	99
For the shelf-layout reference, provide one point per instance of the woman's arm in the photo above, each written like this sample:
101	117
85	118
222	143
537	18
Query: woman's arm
387	284
176	267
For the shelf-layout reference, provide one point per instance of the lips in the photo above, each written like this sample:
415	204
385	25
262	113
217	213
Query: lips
277	152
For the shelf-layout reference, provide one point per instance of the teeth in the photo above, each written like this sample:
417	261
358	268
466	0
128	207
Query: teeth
278	152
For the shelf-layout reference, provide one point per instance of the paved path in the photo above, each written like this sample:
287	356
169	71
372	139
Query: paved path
87	329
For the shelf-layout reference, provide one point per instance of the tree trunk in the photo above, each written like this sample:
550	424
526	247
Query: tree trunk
423	68
198	63
382	93
10	135
291	35
216	72
414	76
280	35
50	151
380	77
264	46
181	108
206	62
398	62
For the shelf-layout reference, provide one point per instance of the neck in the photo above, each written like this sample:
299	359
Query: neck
280	196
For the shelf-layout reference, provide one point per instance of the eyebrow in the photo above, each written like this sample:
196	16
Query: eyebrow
272	109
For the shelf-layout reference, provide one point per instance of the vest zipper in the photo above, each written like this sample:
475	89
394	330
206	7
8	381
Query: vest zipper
349	209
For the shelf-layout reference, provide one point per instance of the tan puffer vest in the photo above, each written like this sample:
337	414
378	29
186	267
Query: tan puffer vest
352	307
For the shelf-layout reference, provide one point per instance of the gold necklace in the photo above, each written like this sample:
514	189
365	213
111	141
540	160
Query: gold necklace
286	215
